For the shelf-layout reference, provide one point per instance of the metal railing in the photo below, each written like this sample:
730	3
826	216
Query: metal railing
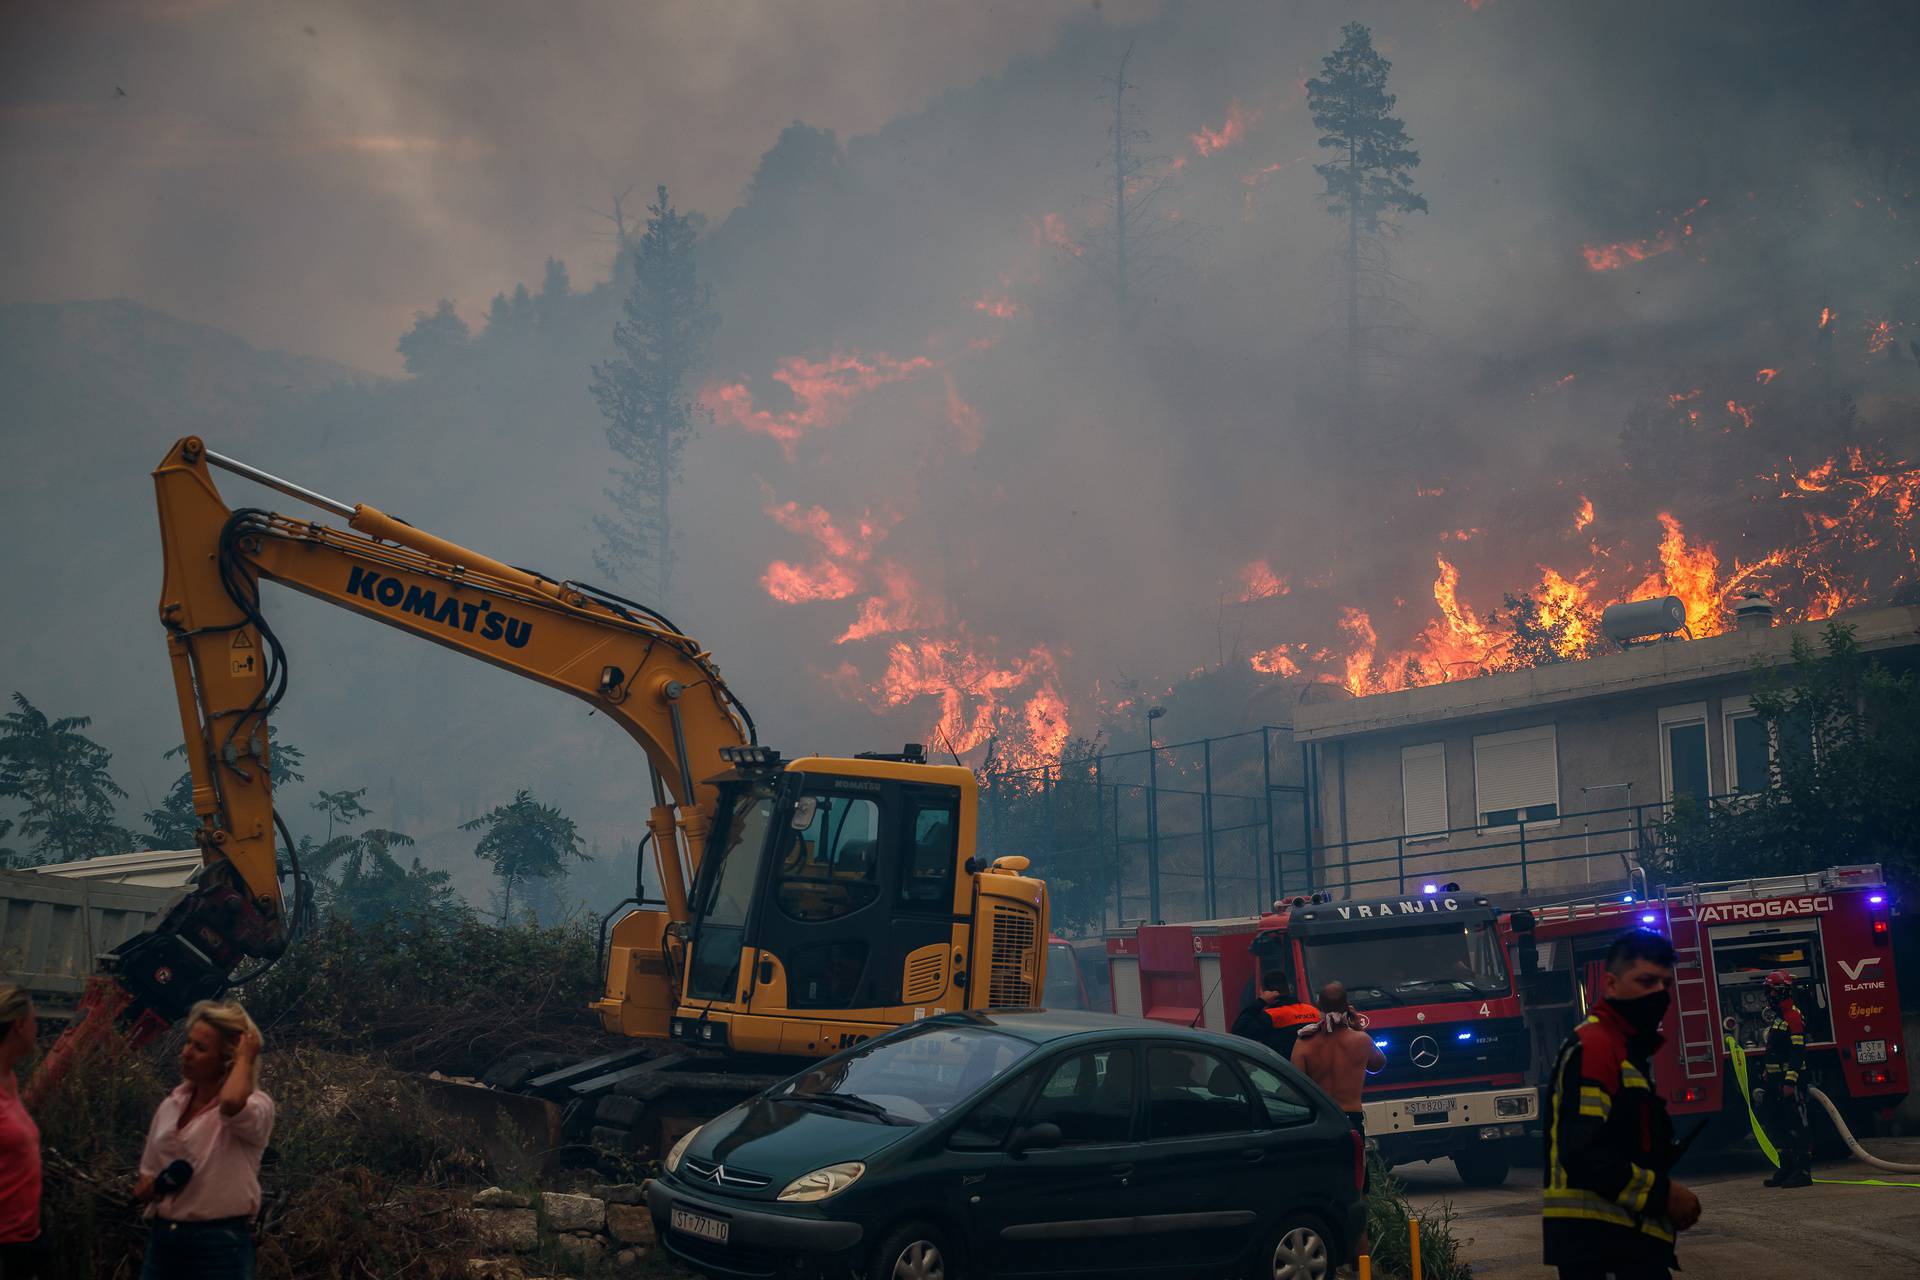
1615	840
1185	830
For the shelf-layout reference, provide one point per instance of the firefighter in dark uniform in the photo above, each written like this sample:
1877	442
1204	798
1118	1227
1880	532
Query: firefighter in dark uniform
1273	1017
1610	1208
1783	1099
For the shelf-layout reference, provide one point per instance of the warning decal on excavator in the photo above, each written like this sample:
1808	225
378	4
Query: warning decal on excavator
239	663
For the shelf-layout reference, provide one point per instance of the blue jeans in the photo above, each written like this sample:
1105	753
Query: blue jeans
199	1251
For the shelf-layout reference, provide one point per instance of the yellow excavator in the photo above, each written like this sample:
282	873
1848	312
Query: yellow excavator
803	904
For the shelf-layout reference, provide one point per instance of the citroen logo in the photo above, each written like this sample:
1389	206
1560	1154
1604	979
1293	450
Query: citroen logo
715	1174
1425	1051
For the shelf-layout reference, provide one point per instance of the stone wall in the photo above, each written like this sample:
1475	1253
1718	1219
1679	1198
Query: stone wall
606	1229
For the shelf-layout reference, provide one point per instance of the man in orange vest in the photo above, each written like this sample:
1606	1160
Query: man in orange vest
1274	1018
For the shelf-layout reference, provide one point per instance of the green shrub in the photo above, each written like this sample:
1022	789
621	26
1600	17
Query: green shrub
1388	1210
434	993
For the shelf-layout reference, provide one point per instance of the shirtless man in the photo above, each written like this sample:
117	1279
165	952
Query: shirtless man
1337	1056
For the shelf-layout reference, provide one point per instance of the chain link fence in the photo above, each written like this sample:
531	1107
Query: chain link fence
1184	831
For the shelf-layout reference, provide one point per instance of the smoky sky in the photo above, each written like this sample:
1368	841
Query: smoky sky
1053	476
311	173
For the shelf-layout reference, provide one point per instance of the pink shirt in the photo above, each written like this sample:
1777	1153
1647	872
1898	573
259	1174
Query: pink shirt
19	1169
223	1150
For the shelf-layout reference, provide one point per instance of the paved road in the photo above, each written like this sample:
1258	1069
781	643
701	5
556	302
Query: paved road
1747	1232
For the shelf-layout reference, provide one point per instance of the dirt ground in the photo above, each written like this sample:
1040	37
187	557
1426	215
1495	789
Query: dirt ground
1746	1231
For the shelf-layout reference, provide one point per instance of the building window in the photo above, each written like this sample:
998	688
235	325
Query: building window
1516	777
1683	752
1423	790
1749	747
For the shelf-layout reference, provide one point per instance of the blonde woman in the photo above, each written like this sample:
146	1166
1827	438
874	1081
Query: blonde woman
200	1172
21	1247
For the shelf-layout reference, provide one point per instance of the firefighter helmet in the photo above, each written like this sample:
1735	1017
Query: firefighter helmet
1779	984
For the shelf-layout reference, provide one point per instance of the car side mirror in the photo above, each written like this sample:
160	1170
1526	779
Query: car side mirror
1035	1137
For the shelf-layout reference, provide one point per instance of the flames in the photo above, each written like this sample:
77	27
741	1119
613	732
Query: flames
1259	582
821	391
1612	257
973	694
1232	130
1856	510
931	663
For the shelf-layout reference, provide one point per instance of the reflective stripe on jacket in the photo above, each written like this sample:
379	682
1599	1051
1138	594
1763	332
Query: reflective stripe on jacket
1786	1046
1609	1145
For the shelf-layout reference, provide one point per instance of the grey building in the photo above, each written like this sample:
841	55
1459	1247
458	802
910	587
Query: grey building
1552	778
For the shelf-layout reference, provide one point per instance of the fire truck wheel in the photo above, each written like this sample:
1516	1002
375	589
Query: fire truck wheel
1483	1166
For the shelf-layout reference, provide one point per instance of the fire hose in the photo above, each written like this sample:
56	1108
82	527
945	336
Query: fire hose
1738	1056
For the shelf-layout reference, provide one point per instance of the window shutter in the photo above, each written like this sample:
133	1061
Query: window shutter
1423	787
1516	770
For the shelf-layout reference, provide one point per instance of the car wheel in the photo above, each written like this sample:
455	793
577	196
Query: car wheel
914	1251
1483	1166
1299	1249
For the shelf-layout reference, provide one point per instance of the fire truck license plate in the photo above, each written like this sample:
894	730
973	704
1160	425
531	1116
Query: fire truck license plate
698	1224
1870	1051
1430	1106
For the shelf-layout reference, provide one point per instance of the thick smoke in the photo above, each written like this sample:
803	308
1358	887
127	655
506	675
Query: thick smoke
931	412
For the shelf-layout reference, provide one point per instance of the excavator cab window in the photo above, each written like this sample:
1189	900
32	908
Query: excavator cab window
724	894
831	868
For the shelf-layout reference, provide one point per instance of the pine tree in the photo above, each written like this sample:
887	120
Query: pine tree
645	394
1137	234
60	778
525	840
1370	175
555	288
434	339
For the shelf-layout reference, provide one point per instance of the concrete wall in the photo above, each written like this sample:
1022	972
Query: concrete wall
1609	758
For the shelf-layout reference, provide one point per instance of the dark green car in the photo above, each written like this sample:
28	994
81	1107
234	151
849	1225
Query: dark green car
1022	1144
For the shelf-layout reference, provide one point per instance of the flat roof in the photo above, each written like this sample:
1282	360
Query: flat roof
1645	666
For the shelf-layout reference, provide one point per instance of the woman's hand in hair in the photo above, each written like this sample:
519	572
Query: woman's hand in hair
240	1076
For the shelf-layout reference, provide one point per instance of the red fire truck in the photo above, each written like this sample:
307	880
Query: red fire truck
1828	929
1430	972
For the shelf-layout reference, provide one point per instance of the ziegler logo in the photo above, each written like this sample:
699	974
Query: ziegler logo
1812	904
451	613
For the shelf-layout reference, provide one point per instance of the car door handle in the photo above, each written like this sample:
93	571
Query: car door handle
1122	1172
1253	1155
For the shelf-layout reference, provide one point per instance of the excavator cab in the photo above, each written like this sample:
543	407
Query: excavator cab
838	898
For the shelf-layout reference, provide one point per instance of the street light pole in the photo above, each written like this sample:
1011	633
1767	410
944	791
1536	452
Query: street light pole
1153	818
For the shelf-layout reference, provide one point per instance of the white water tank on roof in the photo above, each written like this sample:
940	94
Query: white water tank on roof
1638	619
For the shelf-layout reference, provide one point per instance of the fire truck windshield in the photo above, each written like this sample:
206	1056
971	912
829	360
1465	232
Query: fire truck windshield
1408	966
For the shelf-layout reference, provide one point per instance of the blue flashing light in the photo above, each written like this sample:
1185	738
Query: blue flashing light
1429	888
1380	1044
1464	1035
1876	899
1648	918
1627	898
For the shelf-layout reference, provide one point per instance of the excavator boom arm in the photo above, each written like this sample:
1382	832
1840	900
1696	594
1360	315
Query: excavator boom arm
229	672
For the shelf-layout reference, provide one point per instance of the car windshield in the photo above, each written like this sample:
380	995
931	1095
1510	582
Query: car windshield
911	1078
1406	966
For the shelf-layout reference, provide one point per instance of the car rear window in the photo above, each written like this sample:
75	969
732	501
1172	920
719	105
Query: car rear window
1284	1103
1193	1093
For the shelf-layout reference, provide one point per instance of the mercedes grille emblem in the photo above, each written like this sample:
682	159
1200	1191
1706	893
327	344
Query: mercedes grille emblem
1425	1051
